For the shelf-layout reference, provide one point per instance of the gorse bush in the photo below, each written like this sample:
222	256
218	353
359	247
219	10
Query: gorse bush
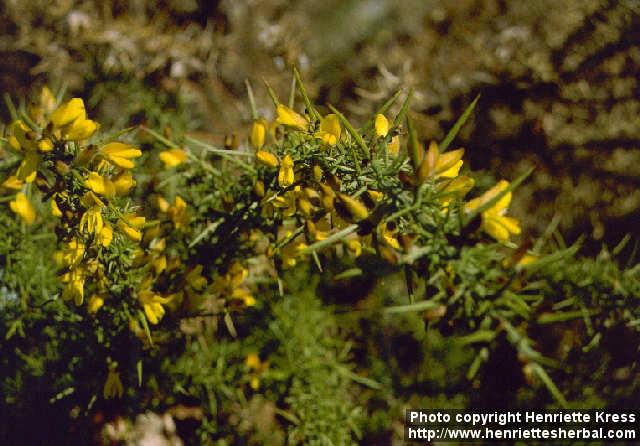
304	287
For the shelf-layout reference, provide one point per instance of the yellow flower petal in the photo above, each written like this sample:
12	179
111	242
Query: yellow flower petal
106	235
28	167
381	125
130	232
136	221
121	154
501	205
163	204
394	146
12	183
173	157
252	361
80	129
495	229
286	174
258	133
357	210
91	221
90	199
100	185
95	303
266	158
355	247
72	253
330	129
68	112
510	224
152	305
195	278
23	208
286	116
124	183
449	163
75	286
45	145
55	210
22	137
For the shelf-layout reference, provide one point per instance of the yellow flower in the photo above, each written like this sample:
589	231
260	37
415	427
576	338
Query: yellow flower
159	264
45	145
80	129
494	222
178	213
388	235
244	295
68	112
381	125
71	254
258	133
252	361
22	137
527	259
163	204
12	183
330	129
100	185
90	199
285	174
317	173
286	116
257	368
130	232
95	303
113	386
173	157
130	227
375	195
267	158
136	221
75	285
28	167
394	146
354	207
121	154
106	235
236	274
91	221
124	183
305	207
291	252
55	210
23	208
355	247
157	244
457	187
320	230
445	165
286	203
195	278
258	188
152	305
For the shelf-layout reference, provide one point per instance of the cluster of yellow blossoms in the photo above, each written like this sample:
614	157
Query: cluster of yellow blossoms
316	196
82	183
